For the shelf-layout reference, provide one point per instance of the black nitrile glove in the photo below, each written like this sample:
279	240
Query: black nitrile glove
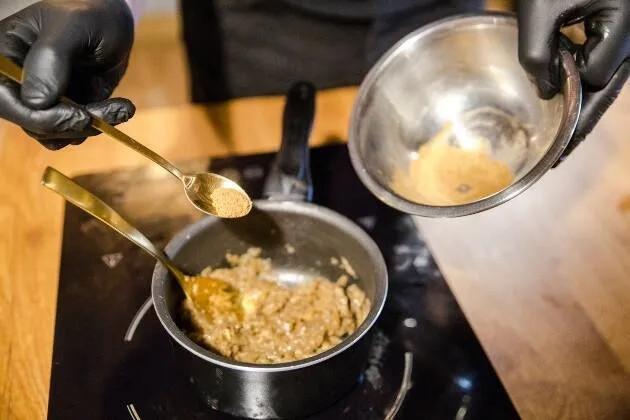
76	48
603	61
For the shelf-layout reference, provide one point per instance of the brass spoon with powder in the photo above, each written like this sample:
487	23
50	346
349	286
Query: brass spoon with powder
207	295
210	193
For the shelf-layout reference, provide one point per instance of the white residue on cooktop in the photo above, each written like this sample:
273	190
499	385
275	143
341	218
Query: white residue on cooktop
373	372
112	260
422	258
368	222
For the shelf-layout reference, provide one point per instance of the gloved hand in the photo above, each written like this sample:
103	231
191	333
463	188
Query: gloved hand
76	48
603	61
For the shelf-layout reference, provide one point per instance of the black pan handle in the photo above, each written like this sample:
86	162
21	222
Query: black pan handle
290	174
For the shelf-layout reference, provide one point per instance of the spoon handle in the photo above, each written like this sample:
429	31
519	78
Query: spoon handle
11	70
88	202
115	133
290	174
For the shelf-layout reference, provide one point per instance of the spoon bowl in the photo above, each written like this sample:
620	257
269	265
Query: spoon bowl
217	195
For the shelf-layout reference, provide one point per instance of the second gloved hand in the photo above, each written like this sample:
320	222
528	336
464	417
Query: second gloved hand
74	48
603	60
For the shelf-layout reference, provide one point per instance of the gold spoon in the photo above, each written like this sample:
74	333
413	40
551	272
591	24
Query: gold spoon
207	295
210	193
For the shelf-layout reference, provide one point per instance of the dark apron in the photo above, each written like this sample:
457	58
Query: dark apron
242	48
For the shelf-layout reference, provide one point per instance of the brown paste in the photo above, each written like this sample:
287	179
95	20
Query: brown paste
274	323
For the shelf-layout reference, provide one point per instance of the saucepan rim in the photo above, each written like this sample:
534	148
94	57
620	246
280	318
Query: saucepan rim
160	276
572	98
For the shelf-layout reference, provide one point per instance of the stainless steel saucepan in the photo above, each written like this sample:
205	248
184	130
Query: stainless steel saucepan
284	221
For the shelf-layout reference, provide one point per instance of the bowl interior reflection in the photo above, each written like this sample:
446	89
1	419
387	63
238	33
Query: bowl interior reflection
463	74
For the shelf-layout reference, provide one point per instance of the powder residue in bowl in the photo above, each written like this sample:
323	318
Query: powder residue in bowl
277	323
444	174
230	203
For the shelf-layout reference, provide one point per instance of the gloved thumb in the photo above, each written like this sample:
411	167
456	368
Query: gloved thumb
47	68
594	105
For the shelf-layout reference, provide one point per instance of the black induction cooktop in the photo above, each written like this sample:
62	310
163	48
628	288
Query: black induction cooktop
112	360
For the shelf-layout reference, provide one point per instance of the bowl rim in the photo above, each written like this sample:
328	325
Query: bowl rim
572	98
160	275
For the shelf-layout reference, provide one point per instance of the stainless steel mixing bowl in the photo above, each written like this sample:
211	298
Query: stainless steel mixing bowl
462	71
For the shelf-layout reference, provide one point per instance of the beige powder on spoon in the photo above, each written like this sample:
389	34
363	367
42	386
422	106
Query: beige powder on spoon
229	203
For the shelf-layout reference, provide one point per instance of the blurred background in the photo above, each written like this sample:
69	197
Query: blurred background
158	74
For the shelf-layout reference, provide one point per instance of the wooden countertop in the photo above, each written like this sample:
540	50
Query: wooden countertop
544	279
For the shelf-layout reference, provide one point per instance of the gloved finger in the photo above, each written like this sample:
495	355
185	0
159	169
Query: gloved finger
16	39
87	87
113	111
61	118
48	65
605	48
538	45
54	143
594	105
78	141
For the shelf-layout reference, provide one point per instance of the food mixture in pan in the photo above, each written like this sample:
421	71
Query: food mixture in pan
270	322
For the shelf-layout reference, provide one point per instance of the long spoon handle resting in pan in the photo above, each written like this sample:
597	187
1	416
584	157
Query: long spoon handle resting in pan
11	70
88	202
